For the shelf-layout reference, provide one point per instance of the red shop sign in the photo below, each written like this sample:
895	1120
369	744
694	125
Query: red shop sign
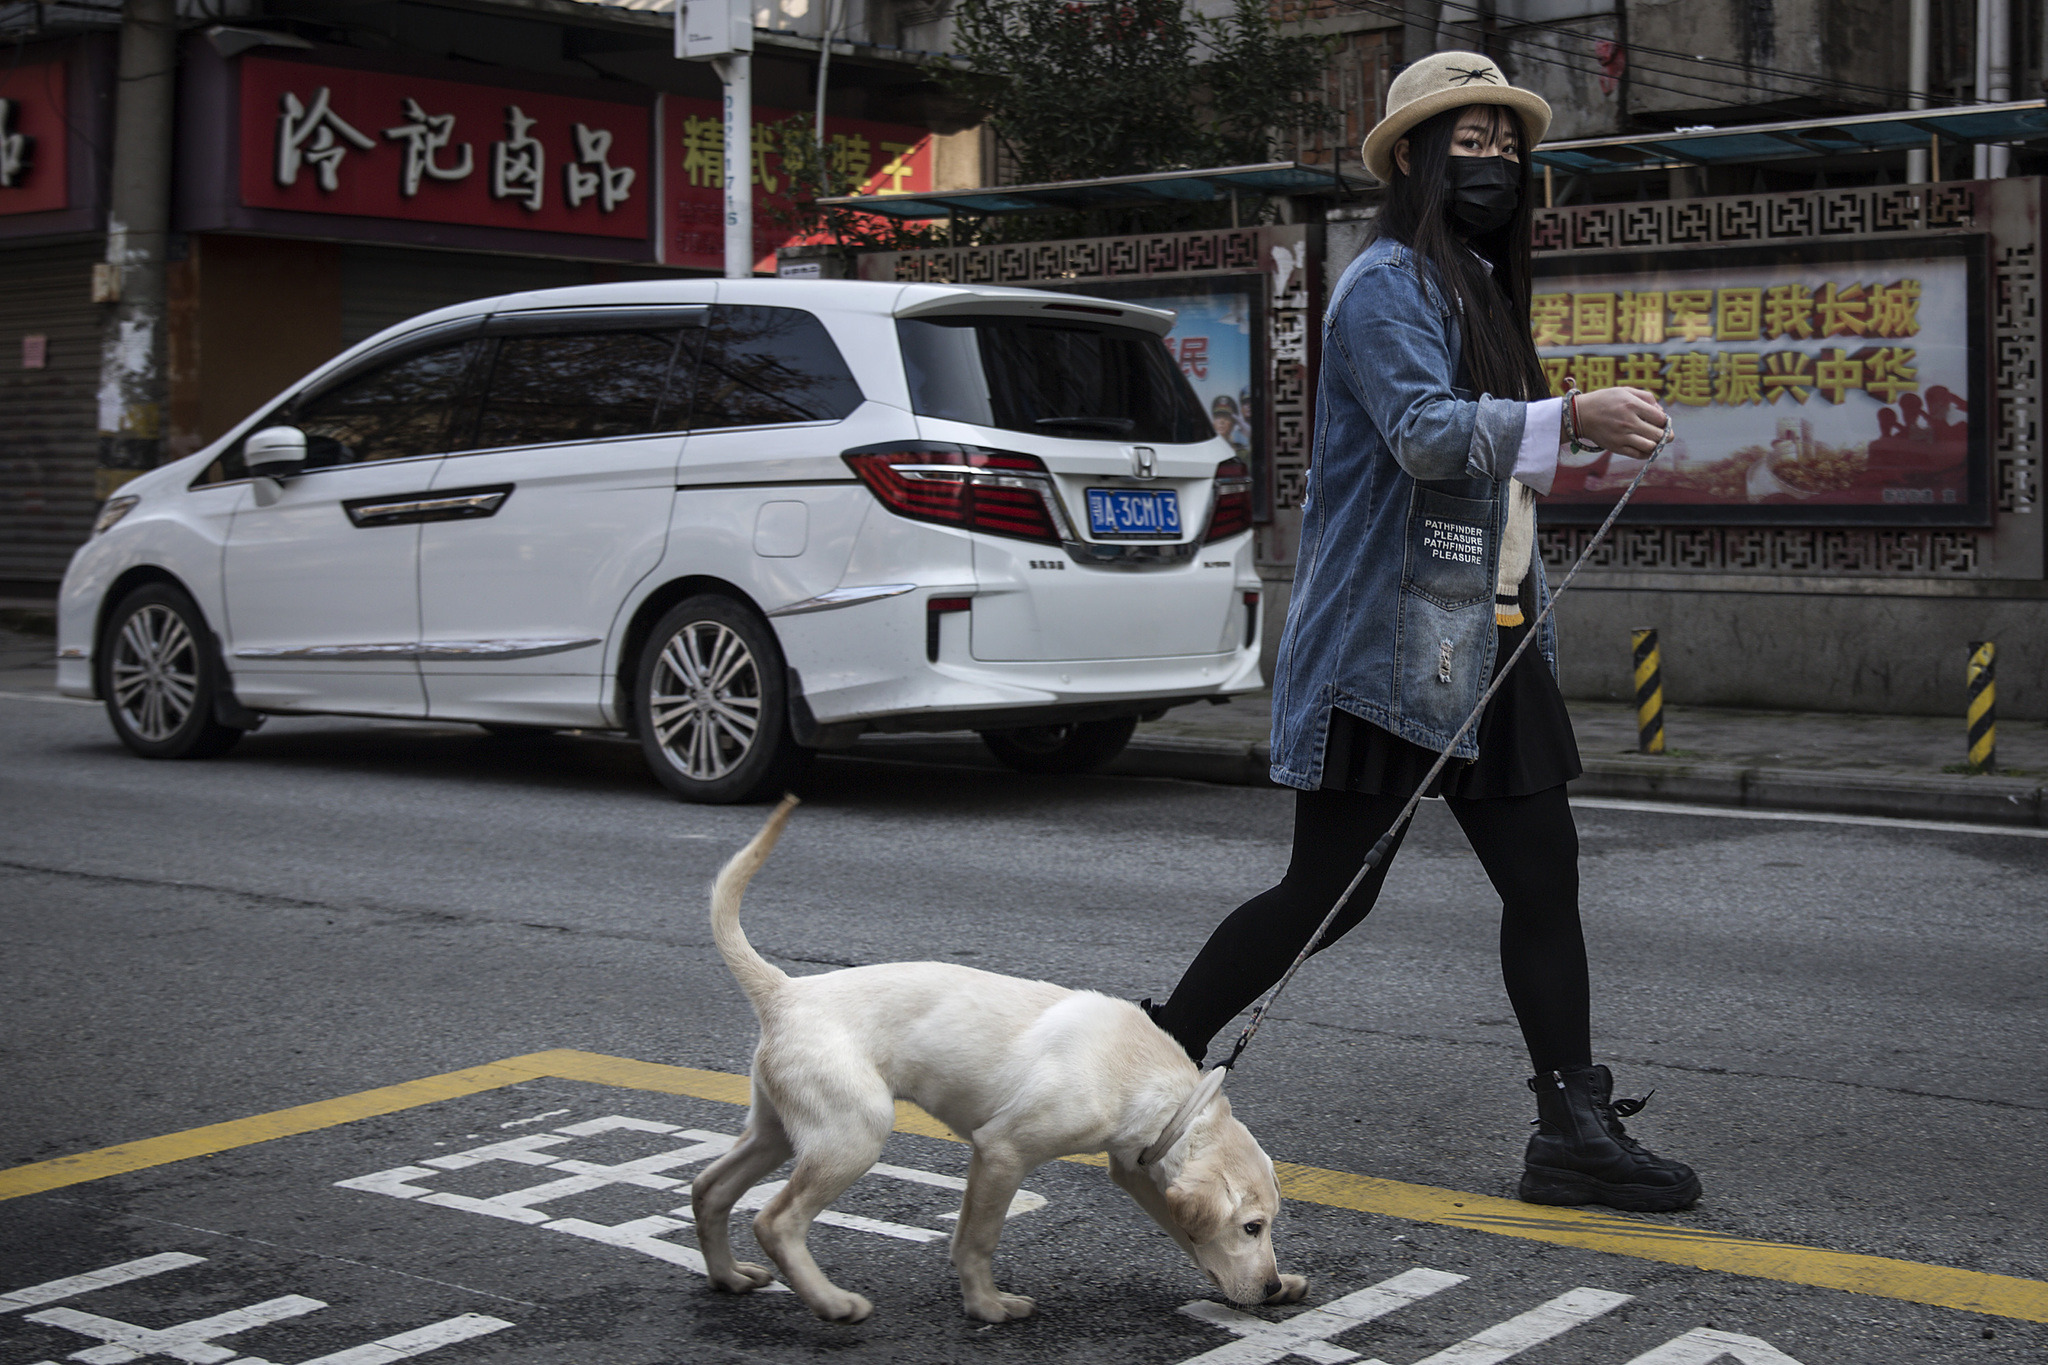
322	139
32	142
873	157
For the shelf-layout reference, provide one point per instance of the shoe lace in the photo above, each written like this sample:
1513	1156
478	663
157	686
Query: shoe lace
1614	1111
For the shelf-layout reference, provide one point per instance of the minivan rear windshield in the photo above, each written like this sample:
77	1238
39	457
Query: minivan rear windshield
1059	378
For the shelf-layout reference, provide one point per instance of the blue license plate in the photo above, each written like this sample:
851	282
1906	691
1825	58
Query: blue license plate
1133	512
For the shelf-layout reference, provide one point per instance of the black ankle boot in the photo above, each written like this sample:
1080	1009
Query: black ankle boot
1580	1153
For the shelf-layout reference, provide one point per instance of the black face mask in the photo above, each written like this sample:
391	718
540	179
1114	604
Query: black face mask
1485	191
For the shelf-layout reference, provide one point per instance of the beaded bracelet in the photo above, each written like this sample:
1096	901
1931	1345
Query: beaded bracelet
1571	418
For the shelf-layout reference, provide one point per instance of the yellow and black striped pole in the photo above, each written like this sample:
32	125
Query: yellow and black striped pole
1649	693
1983	706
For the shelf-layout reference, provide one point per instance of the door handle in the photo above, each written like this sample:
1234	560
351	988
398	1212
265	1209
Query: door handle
456	504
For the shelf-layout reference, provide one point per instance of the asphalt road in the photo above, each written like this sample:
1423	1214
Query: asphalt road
1843	1024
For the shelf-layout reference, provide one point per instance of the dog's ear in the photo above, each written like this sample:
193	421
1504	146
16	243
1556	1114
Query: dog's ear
1200	1205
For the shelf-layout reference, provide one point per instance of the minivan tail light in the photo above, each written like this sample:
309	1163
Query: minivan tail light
1233	512
993	491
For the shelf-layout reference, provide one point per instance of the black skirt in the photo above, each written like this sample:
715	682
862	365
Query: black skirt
1526	743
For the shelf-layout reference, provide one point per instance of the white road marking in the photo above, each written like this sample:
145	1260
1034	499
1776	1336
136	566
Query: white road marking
73	1285
1815	817
758	1197
521	1123
1533	1328
189	1341
197	1342
46	696
1704	1345
1024	1201
419	1341
1308	1334
647	1234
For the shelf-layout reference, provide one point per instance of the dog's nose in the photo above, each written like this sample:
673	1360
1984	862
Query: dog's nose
1273	1287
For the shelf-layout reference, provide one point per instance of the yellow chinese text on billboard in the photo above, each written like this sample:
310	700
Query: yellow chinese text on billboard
1794	387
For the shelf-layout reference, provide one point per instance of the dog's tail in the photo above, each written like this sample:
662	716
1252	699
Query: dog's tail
757	977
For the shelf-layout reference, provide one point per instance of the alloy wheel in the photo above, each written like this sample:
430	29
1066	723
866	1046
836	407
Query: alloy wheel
704	700
155	673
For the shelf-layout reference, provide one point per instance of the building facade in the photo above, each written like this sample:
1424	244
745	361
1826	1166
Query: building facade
338	168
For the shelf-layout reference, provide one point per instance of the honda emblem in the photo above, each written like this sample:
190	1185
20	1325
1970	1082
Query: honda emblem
1141	462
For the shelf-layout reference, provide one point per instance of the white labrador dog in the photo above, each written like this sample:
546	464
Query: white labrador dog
1028	1071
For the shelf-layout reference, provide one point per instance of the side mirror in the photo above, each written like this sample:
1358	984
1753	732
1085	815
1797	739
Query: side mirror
275	453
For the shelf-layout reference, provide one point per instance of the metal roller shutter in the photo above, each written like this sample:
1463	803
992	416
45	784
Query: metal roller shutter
383	286
49	430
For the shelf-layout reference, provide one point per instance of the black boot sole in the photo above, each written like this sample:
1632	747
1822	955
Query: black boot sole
1544	1185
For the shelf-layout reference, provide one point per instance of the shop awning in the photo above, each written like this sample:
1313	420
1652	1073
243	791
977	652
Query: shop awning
1273	179
2024	121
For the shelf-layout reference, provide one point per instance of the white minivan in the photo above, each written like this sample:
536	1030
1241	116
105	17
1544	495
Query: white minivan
741	520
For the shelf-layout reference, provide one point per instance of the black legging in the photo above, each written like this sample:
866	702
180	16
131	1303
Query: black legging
1530	850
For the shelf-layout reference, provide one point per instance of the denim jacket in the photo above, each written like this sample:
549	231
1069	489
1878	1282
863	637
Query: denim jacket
1392	616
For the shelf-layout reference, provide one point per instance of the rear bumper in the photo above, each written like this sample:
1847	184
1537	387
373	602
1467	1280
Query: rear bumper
959	693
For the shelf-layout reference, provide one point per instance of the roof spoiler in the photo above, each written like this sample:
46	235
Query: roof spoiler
1036	303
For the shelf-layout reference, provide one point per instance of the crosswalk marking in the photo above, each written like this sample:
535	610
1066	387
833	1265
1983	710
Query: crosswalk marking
1308	1334
1705	1345
73	1285
1524	1330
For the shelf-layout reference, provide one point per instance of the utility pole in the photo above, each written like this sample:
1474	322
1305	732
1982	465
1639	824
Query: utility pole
1916	81
131	280
1994	78
722	32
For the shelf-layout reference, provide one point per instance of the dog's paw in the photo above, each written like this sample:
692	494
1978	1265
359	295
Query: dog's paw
841	1306
1000	1307
744	1277
1293	1289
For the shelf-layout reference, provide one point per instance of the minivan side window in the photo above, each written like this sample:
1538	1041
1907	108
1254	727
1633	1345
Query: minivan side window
397	410
394	412
767	365
584	386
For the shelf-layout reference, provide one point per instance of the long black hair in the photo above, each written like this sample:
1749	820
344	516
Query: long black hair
1499	356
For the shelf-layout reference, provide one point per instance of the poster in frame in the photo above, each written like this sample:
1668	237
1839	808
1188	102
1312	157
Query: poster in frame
1810	383
1218	339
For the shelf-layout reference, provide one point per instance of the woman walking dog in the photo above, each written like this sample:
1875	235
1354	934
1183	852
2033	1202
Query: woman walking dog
1417	577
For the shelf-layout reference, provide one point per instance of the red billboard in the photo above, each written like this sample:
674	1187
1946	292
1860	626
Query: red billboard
322	139
866	158
33	176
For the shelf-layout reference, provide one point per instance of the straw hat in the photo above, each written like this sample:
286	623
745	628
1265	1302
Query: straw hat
1447	80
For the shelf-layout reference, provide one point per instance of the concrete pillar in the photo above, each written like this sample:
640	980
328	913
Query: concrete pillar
132	387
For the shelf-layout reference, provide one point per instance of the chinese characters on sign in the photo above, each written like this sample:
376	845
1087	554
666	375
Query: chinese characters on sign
1695	378
870	158
33	139
17	149
327	140
1792	387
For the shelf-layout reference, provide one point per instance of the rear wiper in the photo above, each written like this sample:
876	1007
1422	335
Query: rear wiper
1120	425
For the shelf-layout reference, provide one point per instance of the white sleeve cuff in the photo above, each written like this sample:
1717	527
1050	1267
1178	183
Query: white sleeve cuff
1536	461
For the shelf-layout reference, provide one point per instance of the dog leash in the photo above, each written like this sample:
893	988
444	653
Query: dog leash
1379	850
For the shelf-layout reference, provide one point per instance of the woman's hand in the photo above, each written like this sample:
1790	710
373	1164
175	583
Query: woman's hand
1626	421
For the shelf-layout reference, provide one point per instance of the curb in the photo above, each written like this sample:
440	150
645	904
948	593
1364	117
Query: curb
1229	762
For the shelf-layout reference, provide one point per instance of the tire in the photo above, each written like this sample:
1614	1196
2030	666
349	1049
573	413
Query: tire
711	704
159	674
1080	747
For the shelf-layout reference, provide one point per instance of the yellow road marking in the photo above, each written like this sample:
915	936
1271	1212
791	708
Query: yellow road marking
1879	1276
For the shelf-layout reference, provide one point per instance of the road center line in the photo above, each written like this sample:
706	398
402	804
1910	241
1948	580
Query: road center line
1879	1276
1819	817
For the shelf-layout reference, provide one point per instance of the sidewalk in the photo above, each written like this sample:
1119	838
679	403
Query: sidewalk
1903	766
